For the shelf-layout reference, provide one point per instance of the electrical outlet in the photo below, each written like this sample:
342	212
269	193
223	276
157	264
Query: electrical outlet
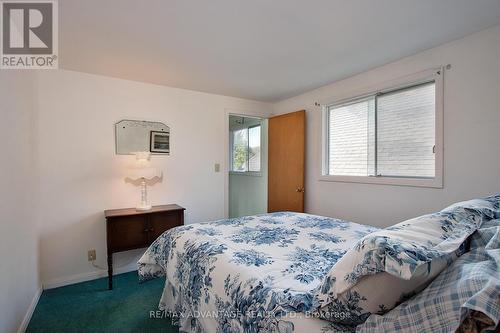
92	255
217	167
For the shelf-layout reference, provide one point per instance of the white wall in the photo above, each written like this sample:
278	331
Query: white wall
19	278
471	135
248	193
81	176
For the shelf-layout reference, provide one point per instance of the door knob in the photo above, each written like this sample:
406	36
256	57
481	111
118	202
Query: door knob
300	189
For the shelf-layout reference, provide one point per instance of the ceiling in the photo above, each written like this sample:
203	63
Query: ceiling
265	50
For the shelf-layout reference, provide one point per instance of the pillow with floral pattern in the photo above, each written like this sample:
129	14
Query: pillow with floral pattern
386	267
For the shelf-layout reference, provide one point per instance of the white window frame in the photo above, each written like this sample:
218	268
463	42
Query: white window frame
435	75
231	143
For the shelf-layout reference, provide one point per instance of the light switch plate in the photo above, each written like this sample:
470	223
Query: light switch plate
217	167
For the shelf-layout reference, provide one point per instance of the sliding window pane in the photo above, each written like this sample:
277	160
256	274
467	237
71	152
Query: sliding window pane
240	150
351	130
406	132
254	149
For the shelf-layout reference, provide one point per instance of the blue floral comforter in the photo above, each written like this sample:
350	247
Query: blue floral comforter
249	274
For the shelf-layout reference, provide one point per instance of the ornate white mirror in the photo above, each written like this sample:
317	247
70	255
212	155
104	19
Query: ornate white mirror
133	136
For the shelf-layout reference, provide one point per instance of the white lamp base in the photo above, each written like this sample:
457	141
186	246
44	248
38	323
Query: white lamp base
144	205
147	207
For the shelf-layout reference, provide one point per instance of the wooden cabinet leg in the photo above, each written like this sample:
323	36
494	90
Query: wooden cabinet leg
110	271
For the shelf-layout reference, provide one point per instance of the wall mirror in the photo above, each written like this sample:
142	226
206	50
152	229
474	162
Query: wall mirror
135	135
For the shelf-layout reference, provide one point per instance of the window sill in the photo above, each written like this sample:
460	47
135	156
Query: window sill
395	181
246	173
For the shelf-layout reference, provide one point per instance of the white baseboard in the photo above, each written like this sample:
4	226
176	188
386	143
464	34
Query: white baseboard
29	312
67	280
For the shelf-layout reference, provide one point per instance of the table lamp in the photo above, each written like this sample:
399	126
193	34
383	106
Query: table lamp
143	173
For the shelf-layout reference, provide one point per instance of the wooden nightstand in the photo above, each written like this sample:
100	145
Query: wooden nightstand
128	229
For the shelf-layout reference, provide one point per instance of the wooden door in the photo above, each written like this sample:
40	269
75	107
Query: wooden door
162	221
127	232
286	162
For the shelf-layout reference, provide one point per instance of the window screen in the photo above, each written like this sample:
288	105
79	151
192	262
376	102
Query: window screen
406	133
254	149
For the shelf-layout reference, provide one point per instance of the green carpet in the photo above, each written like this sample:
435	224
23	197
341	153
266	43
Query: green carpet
91	307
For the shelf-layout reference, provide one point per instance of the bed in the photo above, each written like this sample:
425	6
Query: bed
230	275
263	273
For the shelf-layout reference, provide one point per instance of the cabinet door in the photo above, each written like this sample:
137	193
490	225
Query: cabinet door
160	222
127	232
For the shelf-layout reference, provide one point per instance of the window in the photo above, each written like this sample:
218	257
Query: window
388	137
254	149
240	150
245	149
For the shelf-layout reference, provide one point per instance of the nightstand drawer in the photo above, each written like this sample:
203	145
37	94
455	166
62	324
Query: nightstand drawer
127	232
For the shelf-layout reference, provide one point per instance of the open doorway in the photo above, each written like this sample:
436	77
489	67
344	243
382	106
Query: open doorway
248	165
